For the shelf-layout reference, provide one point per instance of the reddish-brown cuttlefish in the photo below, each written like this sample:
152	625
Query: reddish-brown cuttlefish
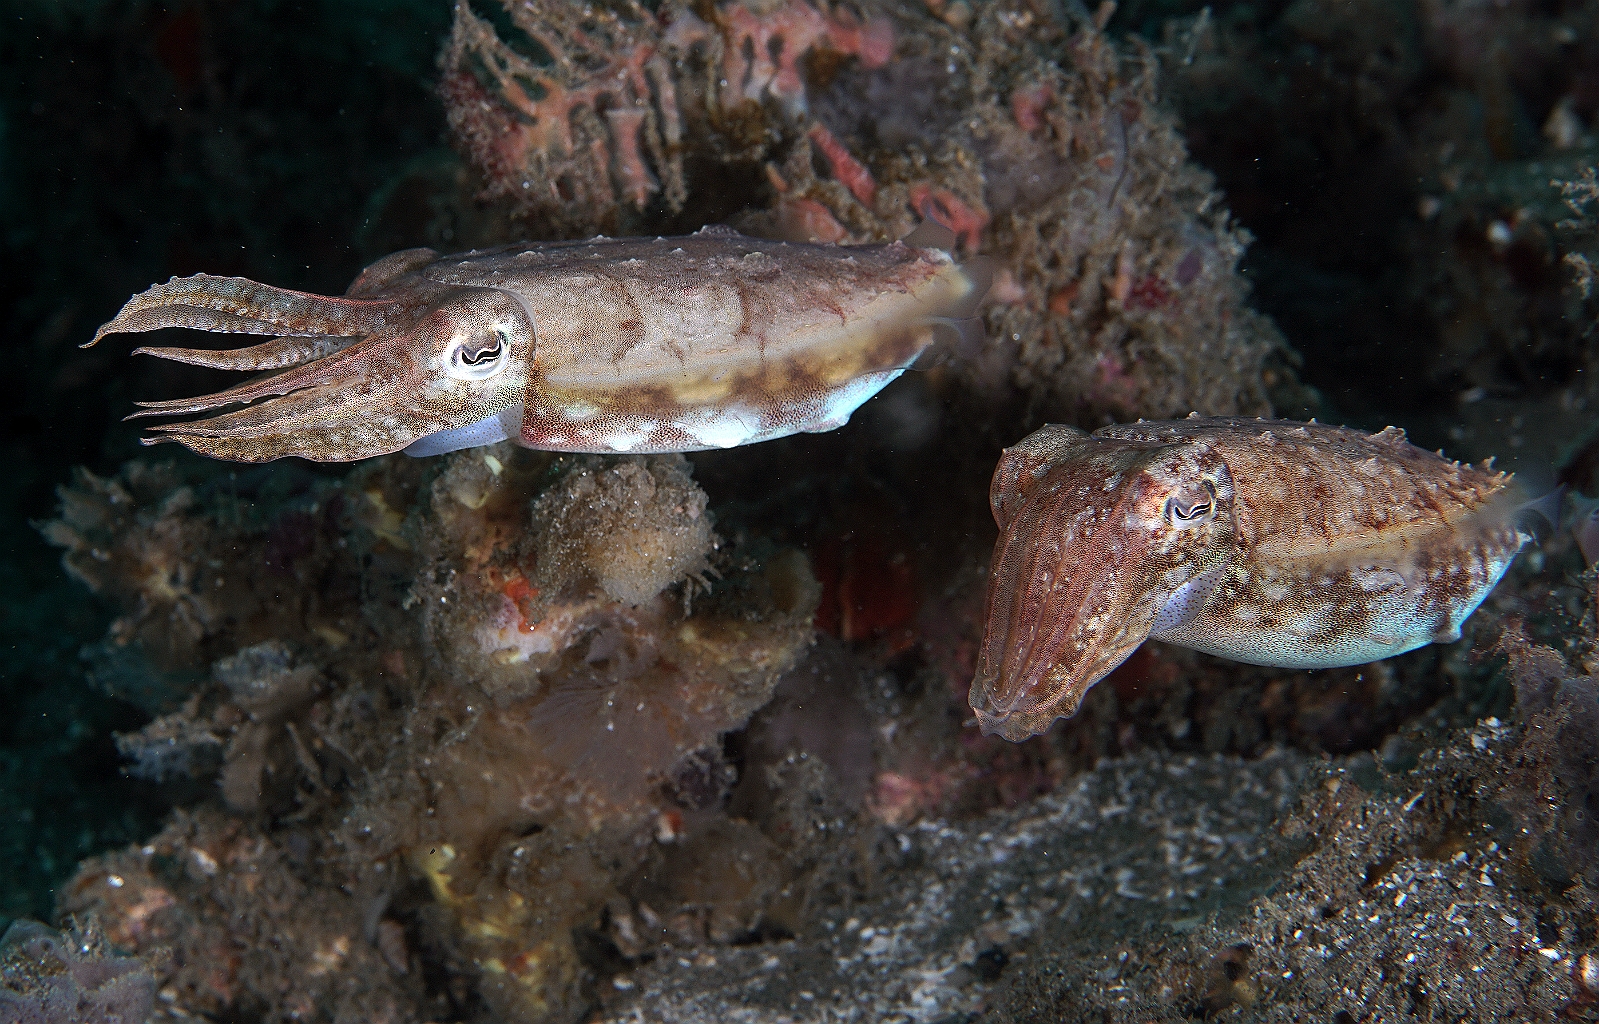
1295	545
609	345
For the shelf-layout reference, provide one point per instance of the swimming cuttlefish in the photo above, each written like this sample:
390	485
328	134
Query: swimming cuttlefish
1276	543
608	345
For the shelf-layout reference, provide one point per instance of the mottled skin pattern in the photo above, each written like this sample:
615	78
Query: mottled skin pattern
1269	542
607	345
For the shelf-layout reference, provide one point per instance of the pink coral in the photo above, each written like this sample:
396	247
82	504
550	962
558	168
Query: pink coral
850	172
598	129
807	220
1028	106
945	207
537	131
762	51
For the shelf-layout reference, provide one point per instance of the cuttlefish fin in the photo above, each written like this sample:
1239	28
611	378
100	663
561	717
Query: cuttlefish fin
1546	509
964	321
389	270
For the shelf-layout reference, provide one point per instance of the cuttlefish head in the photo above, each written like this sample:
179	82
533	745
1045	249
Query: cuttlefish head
354	376
1101	542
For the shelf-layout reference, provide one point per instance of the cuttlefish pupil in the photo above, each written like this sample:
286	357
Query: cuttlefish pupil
1295	545
479	358
1185	510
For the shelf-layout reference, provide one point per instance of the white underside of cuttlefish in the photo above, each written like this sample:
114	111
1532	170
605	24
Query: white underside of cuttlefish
638	345
1295	545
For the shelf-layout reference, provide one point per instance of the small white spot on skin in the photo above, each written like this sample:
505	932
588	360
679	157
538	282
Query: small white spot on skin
624	440
580	411
727	428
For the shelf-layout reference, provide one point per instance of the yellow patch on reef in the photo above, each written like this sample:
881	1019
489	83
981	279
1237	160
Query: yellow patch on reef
334	638
432	864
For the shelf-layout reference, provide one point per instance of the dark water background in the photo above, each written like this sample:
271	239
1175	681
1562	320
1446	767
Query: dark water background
140	141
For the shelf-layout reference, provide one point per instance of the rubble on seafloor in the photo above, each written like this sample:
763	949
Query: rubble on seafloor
1177	888
1454	882
50	978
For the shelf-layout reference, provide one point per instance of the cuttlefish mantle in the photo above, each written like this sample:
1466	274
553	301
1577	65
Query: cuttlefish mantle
1275	543
608	345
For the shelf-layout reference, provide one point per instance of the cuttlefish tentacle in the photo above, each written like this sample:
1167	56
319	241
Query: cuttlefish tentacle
1268	542
611	345
308	327
263	432
308	407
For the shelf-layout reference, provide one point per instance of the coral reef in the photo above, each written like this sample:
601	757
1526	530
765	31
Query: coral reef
570	135
251	924
500	732
637	527
1116	294
567	138
1555	791
201	570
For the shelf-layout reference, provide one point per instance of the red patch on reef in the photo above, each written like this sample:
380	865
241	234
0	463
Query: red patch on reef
1060	302
520	593
1028	105
1149	292
806	220
1114	386
490	136
290	539
872	40
1143	673
177	46
868	590
294	536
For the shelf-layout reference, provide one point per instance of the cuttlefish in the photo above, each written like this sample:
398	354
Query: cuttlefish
1296	545
608	345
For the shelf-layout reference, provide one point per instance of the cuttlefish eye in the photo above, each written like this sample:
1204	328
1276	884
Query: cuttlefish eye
1191	506
478	356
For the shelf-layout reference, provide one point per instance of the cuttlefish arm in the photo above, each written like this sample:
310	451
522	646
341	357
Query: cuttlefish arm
641	345
1268	542
360	375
